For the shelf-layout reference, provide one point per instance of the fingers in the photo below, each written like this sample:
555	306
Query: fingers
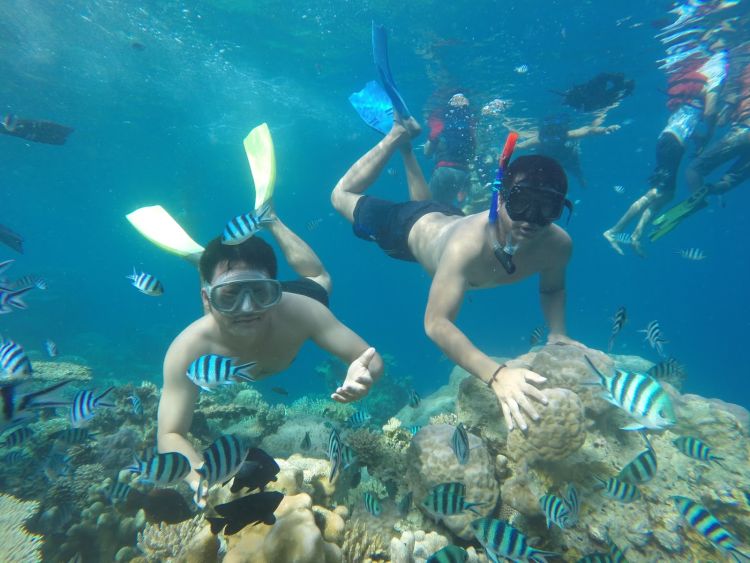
534	377
506	415
517	416
527	407
367	357
535	394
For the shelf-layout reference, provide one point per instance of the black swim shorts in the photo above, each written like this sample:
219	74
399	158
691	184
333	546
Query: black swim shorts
306	287
389	223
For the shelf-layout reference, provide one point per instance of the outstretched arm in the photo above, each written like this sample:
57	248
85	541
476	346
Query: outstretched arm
299	255
176	407
512	386
529	142
595	128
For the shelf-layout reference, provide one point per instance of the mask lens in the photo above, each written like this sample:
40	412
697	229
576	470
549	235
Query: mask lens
539	206
229	297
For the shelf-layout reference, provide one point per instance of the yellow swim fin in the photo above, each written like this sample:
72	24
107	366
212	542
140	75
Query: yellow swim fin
260	154
159	227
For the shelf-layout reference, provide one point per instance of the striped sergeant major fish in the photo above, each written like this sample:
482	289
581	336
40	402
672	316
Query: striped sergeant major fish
695	254
221	461
334	454
372	504
618	490
12	299
211	370
117	492
162	469
619	320
348	456
146	283
654	337
13	359
449	554
708	526
30	282
414	429
669	368
640	396
404	505
136	404
443	502
14	458
358	419
642	468
51	348
460	444
15	405
18	437
5	264
85	404
500	539
414	399
242	227
562	512
73	436
614	555
536	336
695	448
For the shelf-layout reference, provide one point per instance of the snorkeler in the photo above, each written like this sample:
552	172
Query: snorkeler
694	84
466	252
603	91
452	141
35	130
556	139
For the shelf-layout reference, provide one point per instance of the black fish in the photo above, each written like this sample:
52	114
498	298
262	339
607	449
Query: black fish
256	472
13	404
306	443
280	390
11	239
251	509
602	91
36	130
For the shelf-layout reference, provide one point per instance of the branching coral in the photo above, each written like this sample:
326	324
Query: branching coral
445	418
19	545
163	542
360	545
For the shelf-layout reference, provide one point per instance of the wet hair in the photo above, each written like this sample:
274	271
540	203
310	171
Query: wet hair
537	171
255	252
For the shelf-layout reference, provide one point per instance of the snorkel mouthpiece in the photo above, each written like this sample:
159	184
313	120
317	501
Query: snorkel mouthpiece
505	253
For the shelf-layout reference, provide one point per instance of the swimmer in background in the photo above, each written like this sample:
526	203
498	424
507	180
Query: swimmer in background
556	139
694	84
452	141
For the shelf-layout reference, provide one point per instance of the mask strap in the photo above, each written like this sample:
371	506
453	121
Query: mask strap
569	206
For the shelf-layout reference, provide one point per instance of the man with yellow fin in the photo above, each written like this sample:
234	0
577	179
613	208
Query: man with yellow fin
250	316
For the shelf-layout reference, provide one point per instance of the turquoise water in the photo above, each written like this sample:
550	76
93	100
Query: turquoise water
161	95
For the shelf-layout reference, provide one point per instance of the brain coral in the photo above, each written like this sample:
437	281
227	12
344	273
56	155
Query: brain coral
558	433
431	461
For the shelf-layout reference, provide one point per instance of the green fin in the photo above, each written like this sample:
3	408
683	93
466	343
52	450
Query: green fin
260	154
668	221
159	227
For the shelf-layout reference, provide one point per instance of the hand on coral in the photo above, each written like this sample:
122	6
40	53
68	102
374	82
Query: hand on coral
513	387
358	379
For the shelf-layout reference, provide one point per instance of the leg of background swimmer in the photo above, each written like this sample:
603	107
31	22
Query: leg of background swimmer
738	173
366	170
661	198
735	143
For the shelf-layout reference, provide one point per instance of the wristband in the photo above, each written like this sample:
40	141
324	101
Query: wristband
494	375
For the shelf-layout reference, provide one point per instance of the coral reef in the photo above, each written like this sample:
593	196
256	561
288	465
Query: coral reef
18	544
417	547
431	461
57	371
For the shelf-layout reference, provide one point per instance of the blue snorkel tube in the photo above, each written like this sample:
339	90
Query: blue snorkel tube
504	254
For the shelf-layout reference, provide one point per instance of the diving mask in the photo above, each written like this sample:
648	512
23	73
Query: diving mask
242	293
537	205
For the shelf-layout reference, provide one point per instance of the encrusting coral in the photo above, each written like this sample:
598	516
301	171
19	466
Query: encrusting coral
188	542
360	544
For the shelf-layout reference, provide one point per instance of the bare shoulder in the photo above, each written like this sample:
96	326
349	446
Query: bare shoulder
558	245
300	312
195	340
466	240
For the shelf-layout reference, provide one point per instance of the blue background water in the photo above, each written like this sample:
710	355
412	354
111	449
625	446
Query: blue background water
164	124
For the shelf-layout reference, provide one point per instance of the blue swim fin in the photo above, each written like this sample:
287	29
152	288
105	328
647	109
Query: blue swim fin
380	54
374	106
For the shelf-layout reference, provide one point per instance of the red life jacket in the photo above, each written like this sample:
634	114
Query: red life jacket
688	85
